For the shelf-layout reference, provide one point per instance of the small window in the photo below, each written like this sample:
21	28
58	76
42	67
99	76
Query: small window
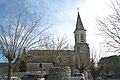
40	65
82	38
77	38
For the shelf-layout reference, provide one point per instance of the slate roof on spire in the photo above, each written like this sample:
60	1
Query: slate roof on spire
79	24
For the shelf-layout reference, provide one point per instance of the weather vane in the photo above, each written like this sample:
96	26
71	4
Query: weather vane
78	9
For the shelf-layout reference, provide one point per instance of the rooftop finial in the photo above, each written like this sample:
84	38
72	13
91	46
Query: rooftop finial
78	9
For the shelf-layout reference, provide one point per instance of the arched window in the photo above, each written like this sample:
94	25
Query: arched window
40	65
82	38
77	38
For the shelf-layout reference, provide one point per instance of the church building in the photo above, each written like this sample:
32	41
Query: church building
77	59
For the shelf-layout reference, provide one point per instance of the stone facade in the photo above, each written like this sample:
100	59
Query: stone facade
46	59
21	74
39	66
4	68
59	73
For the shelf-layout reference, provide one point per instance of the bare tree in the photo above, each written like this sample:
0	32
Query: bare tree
95	70
19	33
57	43
56	46
110	28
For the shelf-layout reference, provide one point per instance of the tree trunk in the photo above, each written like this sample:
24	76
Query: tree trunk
10	69
94	78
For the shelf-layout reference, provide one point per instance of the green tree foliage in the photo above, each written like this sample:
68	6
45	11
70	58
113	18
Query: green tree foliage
23	62
110	65
22	66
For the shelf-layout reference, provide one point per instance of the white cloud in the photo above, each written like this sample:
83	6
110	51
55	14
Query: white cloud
89	11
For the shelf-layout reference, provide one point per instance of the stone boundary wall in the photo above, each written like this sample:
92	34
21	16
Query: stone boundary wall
59	73
21	74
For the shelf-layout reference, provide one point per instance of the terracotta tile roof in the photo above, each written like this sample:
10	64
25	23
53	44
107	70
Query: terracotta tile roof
46	52
39	59
45	55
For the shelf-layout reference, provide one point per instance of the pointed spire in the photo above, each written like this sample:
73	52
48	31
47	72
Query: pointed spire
79	24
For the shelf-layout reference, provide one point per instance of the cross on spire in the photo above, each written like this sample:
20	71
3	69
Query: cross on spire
79	24
78	9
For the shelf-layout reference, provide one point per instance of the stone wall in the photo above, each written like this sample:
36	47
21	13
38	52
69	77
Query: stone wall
3	67
21	74
35	66
60	73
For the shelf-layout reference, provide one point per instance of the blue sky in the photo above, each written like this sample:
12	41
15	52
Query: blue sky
57	12
62	14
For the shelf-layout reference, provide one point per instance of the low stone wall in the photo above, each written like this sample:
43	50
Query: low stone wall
59	73
21	74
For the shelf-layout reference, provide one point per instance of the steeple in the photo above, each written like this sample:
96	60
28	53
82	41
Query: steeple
79	24
80	32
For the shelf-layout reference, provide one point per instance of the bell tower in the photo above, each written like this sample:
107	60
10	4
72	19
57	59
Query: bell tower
80	36
81	47
79	33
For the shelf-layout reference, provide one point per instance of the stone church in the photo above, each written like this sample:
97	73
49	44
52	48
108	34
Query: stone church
77	59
